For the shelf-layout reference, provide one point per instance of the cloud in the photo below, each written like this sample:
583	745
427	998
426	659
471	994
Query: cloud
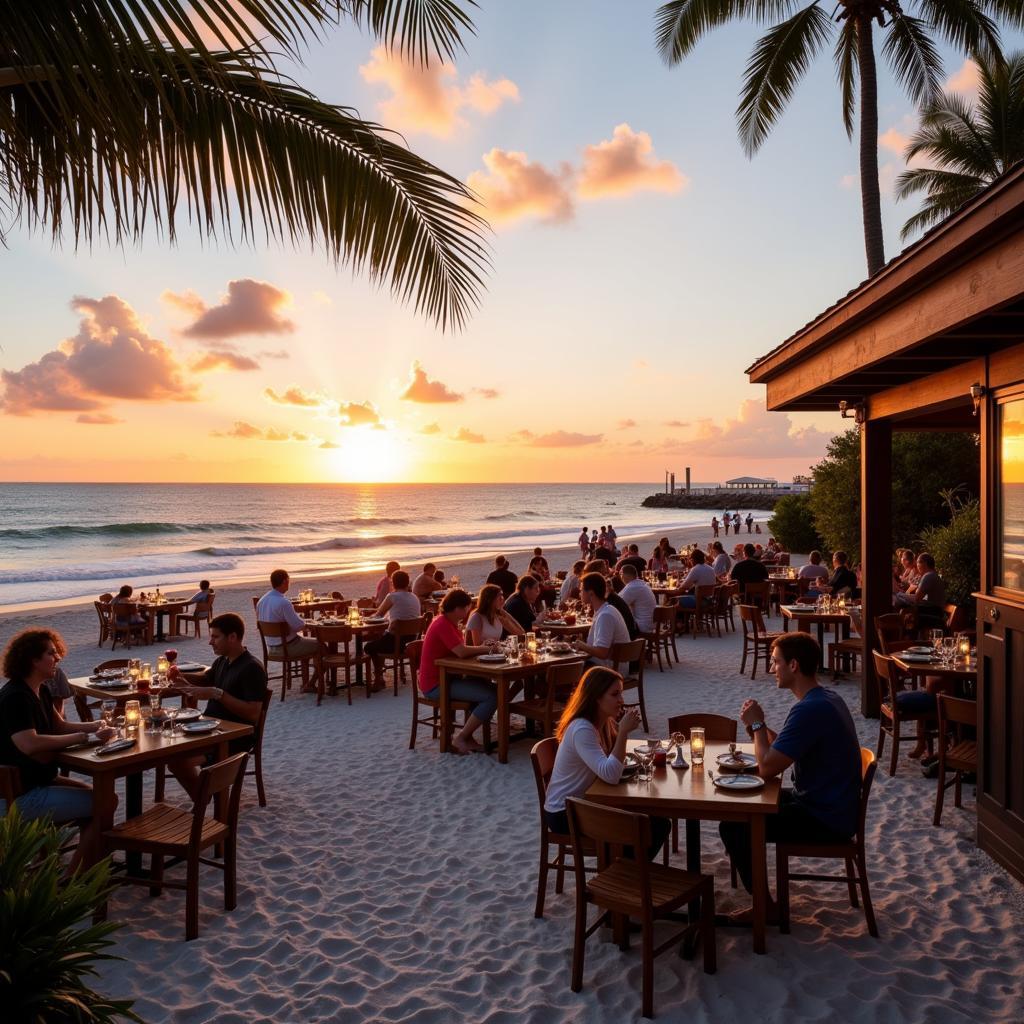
625	164
513	188
967	80
223	359
329	444
111	357
295	396
277	353
849	181
626	424
429	392
464	434
431	428
247	432
487	392
358	414
677	423
98	418
249	307
561	439
240	429
431	99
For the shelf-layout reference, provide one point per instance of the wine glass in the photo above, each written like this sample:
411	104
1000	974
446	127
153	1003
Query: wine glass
935	635
948	649
107	709
171	719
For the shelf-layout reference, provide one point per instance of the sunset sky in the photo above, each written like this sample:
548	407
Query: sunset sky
641	262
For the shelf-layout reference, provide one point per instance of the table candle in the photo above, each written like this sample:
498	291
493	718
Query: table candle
531	642
965	647
697	745
132	714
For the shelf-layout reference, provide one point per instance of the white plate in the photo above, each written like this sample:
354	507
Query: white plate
201	726
189	714
741	762
491	658
190	666
374	620
916	658
739	782
919	650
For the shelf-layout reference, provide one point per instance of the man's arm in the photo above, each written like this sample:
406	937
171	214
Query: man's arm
770	762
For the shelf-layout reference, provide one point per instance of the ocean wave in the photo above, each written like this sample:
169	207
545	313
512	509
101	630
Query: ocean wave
502	516
121	530
124	570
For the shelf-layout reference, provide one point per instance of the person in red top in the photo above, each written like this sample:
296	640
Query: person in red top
444	639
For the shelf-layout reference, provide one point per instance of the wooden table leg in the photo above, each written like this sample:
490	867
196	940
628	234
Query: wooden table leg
359	663
693	857
132	809
785	623
503	719
445	710
759	863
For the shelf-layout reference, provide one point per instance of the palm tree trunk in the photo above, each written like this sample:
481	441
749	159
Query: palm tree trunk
869	191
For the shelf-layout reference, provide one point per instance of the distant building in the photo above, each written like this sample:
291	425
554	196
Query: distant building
752	483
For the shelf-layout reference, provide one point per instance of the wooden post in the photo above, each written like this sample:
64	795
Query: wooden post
875	545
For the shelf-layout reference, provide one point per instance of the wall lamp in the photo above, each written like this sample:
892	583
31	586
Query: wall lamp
857	412
977	394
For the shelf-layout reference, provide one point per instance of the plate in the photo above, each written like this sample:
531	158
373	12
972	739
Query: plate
561	648
628	771
916	658
190	666
739	782
806	608
111	684
189	714
741	762
919	650
115	746
201	725
439	593
90	741
491	658
375	620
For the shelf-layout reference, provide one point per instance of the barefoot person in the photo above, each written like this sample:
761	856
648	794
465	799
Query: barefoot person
233	687
31	733
444	639
820	741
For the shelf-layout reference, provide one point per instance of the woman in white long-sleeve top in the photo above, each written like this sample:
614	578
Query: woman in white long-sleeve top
592	734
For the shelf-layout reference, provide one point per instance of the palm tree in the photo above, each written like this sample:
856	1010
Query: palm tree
116	114
781	58
968	145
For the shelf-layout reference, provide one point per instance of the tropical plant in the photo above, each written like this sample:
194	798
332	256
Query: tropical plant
792	524
48	946
967	145
116	113
956	547
783	54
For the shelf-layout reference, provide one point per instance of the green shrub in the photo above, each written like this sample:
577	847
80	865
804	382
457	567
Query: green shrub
48	947
957	549
792	524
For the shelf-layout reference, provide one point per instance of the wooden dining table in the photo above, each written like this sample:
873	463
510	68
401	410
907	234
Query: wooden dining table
839	621
120	694
964	672
361	631
562	630
157	610
504	675
691	796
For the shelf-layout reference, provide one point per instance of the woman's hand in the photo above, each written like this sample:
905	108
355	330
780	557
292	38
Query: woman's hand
106	732
630	721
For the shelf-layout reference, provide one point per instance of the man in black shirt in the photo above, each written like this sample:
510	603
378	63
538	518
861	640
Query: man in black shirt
843	577
522	604
503	576
634	558
233	687
749	569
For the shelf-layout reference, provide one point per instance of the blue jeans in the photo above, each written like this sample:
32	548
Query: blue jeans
914	702
687	601
61	803
479	691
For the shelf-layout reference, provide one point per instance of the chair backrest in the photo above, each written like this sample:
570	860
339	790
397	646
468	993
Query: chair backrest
889	626
103	612
216	778
957	712
956	619
665	615
272	630
868	765
414	652
752	614
883	679
803	585
542	758
112	663
756	593
722	595
610	830
704	595
563	679
204	610
261	722
334	635
628	653
783	558
255	602
895	646
408	627
717	728
366	602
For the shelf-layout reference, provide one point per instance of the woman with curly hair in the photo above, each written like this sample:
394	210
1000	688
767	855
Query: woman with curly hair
31	733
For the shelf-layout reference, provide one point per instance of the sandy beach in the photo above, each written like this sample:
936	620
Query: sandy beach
383	884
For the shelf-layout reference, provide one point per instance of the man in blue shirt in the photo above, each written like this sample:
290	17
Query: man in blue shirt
820	741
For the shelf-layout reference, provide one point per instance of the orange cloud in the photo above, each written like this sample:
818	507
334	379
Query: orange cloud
431	428
246	431
430	392
624	164
487	392
224	358
464	434
430	99
967	80
358	414
677	423
513	188
111	357
249	307
294	396
560	439
98	418
626	424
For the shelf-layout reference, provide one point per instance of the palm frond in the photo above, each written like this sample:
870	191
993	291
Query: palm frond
946	193
261	152
964	24
847	70
912	56
417	29
950	136
780	59
1010	11
680	24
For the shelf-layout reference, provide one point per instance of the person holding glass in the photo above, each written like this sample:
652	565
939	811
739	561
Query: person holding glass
592	735
489	620
31	733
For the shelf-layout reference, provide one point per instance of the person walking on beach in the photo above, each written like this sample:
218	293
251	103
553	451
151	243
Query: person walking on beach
726	520
714	524
750	521
584	543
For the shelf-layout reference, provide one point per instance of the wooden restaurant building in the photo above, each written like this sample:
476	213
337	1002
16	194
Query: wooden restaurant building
935	341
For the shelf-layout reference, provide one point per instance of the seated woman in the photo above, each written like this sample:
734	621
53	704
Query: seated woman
444	639
539	565
200	600
658	562
570	588
122	616
489	620
401	604
666	549
592	734
31	733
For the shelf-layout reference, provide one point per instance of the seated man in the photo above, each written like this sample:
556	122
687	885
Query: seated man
273	606
384	583
632	557
31	733
639	598
843	578
424	585
813	570
928	596
608	627
200	600
602	568
820	741
502	576
233	687
748	569
400	605
700	575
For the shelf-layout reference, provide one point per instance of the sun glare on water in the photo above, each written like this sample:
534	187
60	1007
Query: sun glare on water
369	456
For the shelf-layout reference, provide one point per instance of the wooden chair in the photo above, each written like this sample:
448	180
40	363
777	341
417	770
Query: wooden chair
957	753
663	636
732	589
757	640
958	622
851	851
202	612
721	608
279	655
84	707
891	717
336	652
542	758
106	617
129	629
366	602
414	651
631	888
699	618
403	630
631	653
166	831
890	628
758	594
559	682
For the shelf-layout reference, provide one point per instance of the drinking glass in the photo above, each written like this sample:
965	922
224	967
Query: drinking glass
107	709
948	649
697	744
644	758
171	720
935	635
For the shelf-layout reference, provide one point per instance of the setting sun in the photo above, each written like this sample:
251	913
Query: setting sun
368	455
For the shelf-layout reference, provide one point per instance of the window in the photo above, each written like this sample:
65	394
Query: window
1011	494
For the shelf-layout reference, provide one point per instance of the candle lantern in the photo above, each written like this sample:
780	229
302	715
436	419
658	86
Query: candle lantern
132	715
964	646
697	745
531	642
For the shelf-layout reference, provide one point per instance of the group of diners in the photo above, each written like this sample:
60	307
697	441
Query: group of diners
128	607
34	728
818	740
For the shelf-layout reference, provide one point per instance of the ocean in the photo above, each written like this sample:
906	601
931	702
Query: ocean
1013	535
66	542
